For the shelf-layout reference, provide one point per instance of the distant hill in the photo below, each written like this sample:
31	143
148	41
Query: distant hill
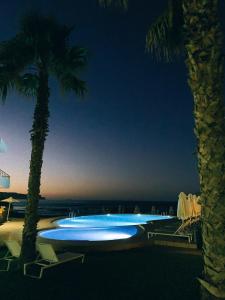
4	195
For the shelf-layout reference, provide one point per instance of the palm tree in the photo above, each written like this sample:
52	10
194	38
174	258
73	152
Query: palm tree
123	3
193	27
39	50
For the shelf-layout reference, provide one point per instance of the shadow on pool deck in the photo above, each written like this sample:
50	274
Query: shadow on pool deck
149	273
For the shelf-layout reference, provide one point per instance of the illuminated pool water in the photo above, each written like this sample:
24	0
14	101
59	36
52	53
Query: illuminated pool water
109	220
100	232
89	234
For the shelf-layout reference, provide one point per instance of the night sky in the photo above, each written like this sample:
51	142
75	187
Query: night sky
131	137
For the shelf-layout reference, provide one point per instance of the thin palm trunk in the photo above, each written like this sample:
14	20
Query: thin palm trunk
205	65
38	135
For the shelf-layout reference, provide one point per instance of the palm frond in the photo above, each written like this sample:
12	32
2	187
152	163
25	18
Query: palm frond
45	35
36	26
15	53
73	61
68	67
59	40
27	84
41	41
14	57
70	82
3	92
165	36
7	81
122	3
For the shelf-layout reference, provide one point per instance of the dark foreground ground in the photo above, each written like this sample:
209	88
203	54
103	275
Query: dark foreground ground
140	274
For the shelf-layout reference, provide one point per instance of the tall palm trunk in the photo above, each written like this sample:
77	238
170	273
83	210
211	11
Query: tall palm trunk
205	65
38	135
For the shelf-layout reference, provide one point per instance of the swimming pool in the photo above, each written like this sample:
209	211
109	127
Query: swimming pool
100	232
90	234
109	220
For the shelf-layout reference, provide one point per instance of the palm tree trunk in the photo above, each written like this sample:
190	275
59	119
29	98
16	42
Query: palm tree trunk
205	65
38	135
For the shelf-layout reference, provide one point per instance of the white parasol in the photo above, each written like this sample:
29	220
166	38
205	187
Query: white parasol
197	206
190	199
9	200
184	209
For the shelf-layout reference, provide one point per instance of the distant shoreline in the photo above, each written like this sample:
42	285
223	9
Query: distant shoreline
4	195
83	207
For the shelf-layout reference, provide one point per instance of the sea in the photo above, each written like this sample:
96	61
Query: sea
69	207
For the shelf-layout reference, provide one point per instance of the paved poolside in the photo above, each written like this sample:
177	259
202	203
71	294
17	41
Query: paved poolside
13	229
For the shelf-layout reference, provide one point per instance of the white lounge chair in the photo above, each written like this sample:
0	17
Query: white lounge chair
12	254
189	212
48	258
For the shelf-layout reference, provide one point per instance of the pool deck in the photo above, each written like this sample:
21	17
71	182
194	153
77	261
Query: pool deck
13	230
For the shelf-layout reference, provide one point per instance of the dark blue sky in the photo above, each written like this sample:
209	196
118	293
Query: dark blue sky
132	136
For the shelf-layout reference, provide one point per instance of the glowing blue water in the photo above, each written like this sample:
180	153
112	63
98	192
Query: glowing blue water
109	220
89	234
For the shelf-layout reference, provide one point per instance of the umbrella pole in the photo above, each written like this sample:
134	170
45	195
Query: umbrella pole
8	212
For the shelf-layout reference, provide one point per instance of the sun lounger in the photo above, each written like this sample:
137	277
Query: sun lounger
186	224
173	235
189	212
13	253
48	258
